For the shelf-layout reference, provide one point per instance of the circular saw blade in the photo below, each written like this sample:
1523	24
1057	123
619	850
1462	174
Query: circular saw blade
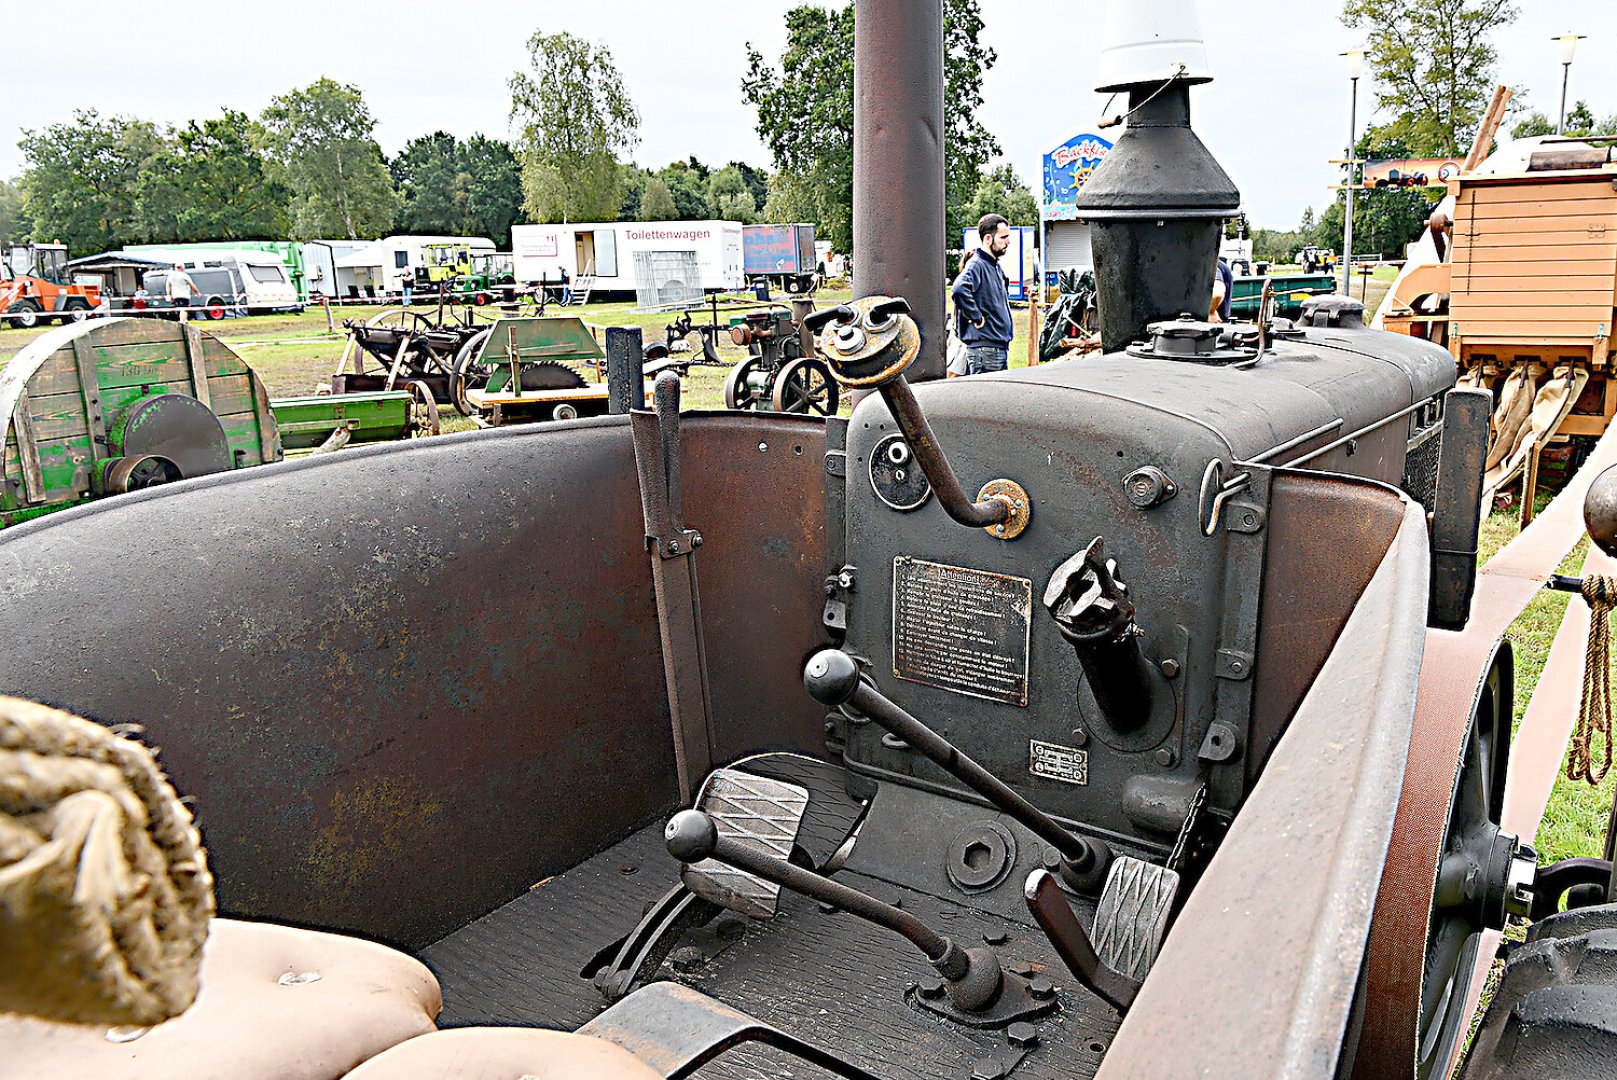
550	375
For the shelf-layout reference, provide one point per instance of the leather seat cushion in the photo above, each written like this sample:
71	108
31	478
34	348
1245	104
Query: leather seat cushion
493	1053
261	1015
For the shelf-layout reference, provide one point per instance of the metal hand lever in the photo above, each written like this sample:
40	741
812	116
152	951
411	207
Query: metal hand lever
1051	911
833	680
973	977
1092	610
875	340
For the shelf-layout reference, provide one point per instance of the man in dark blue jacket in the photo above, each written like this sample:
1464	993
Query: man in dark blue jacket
982	300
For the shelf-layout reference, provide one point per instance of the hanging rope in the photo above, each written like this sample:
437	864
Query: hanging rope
105	895
1594	713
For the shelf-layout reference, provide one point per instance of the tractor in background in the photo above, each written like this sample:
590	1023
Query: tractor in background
35	287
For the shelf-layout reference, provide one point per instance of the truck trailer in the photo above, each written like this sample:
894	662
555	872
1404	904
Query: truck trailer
782	255
605	251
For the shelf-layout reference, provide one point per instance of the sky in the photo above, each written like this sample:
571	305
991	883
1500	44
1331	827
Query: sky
1275	115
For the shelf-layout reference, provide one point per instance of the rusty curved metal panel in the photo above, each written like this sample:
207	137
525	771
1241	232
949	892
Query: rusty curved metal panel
392	677
1259	972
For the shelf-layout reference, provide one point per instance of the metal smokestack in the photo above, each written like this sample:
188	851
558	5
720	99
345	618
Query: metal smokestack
898	241
1157	204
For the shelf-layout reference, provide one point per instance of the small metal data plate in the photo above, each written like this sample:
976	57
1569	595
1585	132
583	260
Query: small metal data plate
1053	761
961	629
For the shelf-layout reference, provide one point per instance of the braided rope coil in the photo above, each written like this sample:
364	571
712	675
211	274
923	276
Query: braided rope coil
1594	711
105	894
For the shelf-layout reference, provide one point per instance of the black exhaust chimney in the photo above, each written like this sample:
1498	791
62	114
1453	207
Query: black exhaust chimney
1157	204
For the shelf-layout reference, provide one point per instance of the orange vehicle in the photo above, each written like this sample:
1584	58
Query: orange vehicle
35	287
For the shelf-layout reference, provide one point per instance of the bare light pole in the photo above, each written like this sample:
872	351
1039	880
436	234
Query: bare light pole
1569	44
1355	59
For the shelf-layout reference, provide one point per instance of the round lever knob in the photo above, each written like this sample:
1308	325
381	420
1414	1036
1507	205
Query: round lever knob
691	836
831	677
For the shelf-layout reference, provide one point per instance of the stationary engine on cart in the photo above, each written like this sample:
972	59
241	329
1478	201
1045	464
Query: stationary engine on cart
780	372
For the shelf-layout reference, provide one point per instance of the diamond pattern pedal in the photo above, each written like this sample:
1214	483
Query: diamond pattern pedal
1132	916
752	810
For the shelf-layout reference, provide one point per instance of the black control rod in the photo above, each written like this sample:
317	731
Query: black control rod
833	680
972	976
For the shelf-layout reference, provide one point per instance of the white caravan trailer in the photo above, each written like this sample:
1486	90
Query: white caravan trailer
260	276
607	250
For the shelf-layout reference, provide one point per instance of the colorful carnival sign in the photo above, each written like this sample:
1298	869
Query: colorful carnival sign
1065	170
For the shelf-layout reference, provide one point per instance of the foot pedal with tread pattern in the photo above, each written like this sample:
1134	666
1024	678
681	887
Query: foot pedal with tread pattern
754	810
1131	918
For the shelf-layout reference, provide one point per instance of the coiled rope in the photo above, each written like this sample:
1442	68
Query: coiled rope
1594	712
105	894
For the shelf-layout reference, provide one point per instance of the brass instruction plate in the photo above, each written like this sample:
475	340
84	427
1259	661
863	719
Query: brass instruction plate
961	629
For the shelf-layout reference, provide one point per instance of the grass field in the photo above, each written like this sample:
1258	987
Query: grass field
295	353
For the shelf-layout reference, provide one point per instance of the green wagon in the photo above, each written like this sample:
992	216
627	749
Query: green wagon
1291	291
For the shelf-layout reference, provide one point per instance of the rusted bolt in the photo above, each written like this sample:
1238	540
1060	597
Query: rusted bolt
1166	757
1170	668
988	1069
996	937
1020	967
1022	1035
673	546
1080	737
1041	988
696	541
931	987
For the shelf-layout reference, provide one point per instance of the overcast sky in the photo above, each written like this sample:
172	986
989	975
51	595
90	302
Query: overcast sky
1276	113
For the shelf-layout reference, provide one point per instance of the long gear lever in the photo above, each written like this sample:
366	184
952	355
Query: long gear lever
833	679
973	978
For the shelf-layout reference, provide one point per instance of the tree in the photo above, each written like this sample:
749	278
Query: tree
687	183
210	184
319	142
805	116
1434	65
458	189
13	221
1001	192
1580	120
730	196
79	186
1534	124
967	144
656	204
757	181
576	120
634	188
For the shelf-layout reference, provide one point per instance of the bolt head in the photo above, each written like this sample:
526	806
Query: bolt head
1080	737
1041	988
1166	757
1170	668
996	937
931	988
1022	1035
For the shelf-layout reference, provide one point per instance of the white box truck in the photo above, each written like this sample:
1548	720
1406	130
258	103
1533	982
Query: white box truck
607	250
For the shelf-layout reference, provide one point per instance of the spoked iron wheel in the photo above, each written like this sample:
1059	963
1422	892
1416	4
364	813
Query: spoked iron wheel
403	318
737	394
424	419
805	386
470	372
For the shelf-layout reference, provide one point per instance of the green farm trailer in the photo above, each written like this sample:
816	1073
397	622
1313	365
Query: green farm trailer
118	405
1291	291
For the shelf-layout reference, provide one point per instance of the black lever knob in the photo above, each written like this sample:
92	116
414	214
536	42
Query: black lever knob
972	977
819	320
832	678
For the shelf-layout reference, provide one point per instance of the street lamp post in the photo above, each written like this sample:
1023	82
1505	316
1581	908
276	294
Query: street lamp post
1355	59
1569	44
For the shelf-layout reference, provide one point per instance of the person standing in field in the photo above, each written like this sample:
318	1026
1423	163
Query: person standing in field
180	289
982	300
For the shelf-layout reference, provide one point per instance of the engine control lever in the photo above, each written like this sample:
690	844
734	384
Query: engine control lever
972	977
1054	916
833	679
869	344
1093	611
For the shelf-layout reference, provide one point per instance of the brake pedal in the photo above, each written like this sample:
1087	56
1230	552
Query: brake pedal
1132	916
754	810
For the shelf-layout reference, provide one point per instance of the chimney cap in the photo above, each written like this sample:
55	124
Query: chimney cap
1152	41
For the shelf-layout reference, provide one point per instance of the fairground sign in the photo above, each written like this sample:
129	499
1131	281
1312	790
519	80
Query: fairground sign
1065	170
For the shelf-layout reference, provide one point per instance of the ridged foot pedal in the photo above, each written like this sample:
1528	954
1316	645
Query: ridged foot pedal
753	810
1132	916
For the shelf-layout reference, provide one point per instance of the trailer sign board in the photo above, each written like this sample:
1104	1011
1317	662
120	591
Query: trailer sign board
1065	170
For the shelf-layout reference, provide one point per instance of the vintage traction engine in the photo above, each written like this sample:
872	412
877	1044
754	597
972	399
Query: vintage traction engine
1055	723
